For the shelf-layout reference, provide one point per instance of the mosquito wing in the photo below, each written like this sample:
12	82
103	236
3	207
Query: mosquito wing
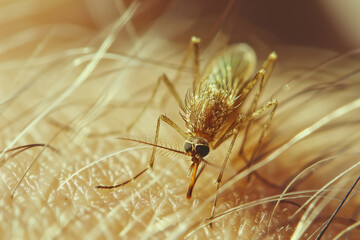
229	70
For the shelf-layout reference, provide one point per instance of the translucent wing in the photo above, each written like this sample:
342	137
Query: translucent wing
228	71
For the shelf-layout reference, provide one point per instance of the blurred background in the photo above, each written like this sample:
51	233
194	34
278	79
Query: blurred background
75	74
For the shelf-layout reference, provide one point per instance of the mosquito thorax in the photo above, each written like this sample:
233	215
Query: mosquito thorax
197	145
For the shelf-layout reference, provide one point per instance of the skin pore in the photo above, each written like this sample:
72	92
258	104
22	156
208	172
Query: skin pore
75	75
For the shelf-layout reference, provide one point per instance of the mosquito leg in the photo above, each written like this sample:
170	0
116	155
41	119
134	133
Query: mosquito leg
259	76
151	161
236	125
271	104
218	180
267	67
195	42
233	131
173	125
194	46
172	90
239	122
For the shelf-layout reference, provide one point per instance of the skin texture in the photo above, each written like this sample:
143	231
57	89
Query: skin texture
74	77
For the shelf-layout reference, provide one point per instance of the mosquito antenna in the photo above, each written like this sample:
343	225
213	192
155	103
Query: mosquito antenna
155	145
169	149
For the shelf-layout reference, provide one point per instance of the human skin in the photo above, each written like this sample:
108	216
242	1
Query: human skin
56	93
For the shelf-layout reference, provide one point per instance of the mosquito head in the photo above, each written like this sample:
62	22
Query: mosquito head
197	145
197	148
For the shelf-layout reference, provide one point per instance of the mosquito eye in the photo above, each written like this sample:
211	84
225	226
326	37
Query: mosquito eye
203	150
187	147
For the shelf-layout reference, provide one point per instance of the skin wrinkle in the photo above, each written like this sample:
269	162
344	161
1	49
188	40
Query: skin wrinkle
38	71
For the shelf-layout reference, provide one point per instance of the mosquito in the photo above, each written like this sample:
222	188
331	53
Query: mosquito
212	109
